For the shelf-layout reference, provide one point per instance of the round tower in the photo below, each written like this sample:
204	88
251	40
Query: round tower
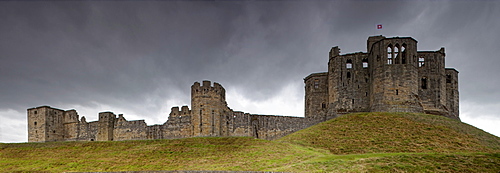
394	79
316	95
208	105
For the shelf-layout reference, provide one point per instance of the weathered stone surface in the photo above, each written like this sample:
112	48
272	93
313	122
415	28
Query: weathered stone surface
391	77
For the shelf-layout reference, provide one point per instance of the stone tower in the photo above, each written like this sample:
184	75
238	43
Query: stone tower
316	86
209	109
45	124
394	75
106	125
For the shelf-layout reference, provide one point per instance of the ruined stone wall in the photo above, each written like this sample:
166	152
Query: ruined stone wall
71	125
271	127
129	130
178	124
432	86
350	79
240	124
452	94
87	130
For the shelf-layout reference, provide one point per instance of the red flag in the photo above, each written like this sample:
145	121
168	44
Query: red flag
379	26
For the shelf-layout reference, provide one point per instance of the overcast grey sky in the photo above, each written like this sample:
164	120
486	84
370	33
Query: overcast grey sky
140	58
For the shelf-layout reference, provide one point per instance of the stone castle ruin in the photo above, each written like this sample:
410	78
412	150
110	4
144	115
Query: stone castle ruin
392	76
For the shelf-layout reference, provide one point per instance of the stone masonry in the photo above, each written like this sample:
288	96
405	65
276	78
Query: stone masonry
392	76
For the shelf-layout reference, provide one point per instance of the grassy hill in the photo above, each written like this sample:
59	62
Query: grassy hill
394	132
364	142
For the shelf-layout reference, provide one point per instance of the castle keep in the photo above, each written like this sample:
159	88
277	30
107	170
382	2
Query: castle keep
392	76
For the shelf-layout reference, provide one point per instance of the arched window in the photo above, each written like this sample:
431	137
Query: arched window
35	123
396	53
389	55
348	64
448	79
403	54
424	83
365	63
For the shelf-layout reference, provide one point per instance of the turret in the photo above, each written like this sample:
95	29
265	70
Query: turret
316	95
208	104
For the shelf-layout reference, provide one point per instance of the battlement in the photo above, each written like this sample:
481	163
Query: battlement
184	111
207	90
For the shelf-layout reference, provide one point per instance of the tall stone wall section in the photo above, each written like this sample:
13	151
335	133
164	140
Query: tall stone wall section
452	94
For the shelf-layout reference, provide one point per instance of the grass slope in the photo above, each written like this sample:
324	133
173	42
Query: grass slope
231	153
364	142
394	132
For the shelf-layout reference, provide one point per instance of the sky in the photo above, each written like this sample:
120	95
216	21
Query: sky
140	58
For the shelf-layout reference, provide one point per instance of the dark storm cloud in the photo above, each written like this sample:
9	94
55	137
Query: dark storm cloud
140	55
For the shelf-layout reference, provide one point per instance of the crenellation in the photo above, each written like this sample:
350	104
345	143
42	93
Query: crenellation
392	76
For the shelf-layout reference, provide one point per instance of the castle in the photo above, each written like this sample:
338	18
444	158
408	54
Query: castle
392	76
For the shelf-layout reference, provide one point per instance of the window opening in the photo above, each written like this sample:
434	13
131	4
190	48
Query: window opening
397	92
35	123
389	55
424	83
396	53
316	83
36	112
348	64
323	105
403	54
448	78
365	63
421	61
348	74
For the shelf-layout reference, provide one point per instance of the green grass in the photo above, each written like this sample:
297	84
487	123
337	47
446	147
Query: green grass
394	132
364	142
